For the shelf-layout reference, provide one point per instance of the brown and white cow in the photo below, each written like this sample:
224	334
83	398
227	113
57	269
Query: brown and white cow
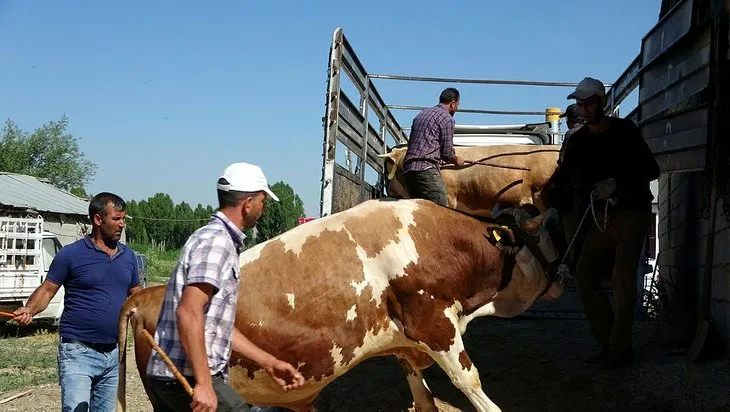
386	277
477	188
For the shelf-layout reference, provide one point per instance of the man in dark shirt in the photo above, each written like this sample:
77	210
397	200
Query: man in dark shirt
430	145
608	158
98	274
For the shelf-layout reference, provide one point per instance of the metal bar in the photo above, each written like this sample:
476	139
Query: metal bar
398	107
624	85
475	81
364	105
331	118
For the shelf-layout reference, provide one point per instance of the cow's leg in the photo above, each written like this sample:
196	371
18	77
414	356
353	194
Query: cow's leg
413	362
463	374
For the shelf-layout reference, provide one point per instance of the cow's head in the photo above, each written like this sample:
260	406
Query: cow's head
560	198
395	180
534	244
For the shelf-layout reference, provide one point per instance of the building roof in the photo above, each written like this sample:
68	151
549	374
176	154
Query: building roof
28	192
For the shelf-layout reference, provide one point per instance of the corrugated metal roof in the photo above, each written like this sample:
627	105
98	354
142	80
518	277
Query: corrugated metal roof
24	191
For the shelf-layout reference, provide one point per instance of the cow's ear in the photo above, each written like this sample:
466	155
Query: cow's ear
500	235
389	158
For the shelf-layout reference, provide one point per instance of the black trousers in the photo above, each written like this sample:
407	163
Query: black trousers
427	184
170	396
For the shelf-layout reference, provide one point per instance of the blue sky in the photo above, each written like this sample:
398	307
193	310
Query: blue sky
165	94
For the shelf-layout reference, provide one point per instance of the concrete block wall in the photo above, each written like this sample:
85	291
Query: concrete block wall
683	234
720	303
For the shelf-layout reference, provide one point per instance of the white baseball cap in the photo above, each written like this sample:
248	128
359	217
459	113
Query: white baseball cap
246	177
587	88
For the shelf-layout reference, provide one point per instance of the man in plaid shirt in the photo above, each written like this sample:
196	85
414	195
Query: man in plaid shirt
430	145
196	325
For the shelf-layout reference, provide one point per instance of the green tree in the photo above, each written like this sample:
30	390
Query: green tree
282	215
49	152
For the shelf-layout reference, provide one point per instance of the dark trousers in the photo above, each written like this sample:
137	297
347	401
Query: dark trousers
573	229
427	184
170	396
616	251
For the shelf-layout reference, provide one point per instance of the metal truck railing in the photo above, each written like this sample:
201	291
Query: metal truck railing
346	126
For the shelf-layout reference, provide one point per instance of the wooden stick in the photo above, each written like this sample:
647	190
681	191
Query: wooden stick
169	363
14	397
478	162
8	314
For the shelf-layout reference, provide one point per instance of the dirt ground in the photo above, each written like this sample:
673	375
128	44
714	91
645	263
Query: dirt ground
525	365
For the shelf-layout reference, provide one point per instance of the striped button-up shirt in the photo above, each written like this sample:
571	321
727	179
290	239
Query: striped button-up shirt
431	141
210	256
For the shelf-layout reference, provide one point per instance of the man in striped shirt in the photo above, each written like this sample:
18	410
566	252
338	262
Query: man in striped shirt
430	145
196	325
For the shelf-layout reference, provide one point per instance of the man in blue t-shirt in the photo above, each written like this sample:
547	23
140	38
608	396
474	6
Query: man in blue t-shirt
98	274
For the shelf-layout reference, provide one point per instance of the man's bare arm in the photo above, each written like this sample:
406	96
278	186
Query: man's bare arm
37	302
191	324
191	327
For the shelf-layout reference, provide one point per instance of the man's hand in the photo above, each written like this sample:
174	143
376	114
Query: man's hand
37	302
204	398
23	316
284	374
605	188
458	161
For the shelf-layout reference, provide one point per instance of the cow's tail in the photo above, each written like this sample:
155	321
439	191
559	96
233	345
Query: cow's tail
128	310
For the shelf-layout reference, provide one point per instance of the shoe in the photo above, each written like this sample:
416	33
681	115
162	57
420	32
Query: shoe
598	357
616	359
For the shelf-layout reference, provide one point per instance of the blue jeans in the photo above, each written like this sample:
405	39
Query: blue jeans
88	378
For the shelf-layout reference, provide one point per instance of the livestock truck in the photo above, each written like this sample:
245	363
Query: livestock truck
26	252
359	125
352	172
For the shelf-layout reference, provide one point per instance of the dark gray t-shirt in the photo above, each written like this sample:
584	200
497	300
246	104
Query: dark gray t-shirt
565	140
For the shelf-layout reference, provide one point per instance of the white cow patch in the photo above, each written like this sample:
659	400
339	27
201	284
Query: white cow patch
290	297
421	292
466	380
352	313
391	261
295	239
336	353
372	343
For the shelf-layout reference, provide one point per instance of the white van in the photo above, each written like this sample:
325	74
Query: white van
26	252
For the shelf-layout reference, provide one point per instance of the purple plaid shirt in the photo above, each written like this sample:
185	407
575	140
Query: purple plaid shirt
431	141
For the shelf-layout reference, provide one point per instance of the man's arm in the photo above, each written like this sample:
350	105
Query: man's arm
274	367
58	271
37	302
136	287
190	316
446	138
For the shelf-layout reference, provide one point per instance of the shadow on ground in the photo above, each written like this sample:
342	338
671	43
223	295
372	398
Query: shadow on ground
538	365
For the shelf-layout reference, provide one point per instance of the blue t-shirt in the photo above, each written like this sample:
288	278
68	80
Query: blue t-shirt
96	286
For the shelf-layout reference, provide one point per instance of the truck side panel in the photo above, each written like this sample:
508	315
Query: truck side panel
346	125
